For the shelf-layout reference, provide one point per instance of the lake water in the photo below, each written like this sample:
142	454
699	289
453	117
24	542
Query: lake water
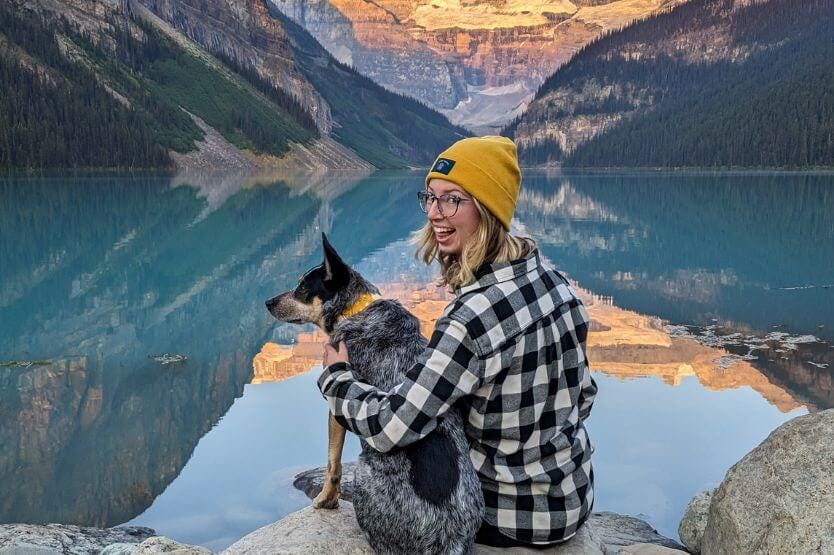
711	296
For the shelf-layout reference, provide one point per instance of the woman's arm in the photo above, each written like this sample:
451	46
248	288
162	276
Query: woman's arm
446	371
588	387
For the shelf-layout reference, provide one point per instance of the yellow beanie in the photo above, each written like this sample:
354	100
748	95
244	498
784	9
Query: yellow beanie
487	169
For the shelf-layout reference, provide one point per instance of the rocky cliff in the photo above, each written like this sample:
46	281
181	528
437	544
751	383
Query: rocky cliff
479	61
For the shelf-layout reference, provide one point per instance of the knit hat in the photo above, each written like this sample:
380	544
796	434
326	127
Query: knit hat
487	169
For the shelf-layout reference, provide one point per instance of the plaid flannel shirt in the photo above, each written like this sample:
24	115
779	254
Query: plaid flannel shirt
509	352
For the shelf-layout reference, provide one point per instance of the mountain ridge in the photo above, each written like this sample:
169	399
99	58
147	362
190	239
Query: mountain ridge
147	82
711	83
478	62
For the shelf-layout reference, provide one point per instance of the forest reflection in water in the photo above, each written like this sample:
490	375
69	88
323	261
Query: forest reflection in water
684	275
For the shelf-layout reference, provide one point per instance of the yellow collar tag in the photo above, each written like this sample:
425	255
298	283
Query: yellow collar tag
361	304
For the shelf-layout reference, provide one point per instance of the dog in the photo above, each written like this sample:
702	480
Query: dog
425	497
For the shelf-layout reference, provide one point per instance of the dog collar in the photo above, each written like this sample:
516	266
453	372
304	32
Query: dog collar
361	304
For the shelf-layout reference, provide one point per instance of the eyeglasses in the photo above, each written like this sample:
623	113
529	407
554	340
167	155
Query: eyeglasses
448	205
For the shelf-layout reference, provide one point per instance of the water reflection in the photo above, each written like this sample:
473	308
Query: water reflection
712	249
279	362
100	273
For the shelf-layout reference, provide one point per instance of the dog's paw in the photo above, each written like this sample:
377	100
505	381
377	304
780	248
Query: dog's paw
326	501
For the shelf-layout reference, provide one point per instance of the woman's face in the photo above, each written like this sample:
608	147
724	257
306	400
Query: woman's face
452	233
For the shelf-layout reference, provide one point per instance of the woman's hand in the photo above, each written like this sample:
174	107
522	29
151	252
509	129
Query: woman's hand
332	355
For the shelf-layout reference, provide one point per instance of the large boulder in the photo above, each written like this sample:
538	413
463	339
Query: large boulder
780	497
322	532
605	532
694	521
65	539
319	532
308	531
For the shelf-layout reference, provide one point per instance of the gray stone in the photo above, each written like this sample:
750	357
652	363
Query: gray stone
780	497
161	544
614	531
119	549
310	481
694	521
37	539
319	532
648	549
618	531
308	531
154	545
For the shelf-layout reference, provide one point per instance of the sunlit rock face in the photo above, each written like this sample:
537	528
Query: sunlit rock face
621	343
480	62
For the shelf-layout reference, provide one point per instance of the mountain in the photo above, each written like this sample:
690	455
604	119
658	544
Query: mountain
192	83
479	62
712	83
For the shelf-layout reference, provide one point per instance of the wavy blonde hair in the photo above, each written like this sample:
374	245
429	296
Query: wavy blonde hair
489	244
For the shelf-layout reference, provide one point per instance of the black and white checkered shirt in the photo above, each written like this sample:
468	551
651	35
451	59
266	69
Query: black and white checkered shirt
509	351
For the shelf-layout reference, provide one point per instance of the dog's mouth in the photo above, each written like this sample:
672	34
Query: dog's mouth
291	320
284	311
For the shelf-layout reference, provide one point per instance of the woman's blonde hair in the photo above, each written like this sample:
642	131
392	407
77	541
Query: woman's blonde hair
489	244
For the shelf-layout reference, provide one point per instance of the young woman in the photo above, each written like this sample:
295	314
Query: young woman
508	352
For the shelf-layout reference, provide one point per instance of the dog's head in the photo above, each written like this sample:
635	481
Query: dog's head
323	294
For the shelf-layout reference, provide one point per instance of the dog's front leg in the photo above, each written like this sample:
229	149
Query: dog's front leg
332	488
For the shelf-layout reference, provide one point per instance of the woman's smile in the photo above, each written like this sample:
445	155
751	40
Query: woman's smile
443	234
452	233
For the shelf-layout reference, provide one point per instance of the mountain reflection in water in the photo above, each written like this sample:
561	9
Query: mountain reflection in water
684	276
621	343
101	273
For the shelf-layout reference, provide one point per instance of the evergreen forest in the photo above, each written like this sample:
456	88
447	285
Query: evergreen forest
766	101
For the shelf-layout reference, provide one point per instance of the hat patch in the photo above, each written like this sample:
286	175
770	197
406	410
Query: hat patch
443	165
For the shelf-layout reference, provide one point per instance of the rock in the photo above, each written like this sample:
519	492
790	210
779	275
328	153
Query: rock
780	497
614	531
618	531
308	531
23	539
648	549
694	522
321	532
156	544
310	481
119	549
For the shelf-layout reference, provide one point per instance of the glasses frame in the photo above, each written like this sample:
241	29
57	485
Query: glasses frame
426	199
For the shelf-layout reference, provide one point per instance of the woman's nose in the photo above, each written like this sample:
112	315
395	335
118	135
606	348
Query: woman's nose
434	210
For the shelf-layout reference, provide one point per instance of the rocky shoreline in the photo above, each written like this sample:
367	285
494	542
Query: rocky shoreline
778	499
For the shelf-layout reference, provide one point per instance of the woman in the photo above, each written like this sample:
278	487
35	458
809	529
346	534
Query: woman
508	352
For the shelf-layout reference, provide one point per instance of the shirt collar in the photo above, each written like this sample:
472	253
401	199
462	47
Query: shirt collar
490	274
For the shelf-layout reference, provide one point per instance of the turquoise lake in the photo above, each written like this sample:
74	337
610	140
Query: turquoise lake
712	297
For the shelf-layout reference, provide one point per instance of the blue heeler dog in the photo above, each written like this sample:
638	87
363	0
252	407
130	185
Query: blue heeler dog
423	498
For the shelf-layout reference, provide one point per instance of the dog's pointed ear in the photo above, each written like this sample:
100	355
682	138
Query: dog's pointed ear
336	273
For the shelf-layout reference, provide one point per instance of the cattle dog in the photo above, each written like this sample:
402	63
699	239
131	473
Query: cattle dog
423	498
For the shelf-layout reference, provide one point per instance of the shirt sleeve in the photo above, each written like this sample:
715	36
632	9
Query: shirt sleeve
587	385
587	395
447	370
